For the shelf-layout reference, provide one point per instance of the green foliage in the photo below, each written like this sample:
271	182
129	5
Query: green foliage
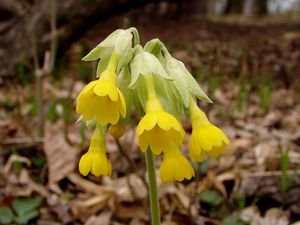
203	166
16	164
84	71
24	77
233	220
26	209
200	73
243	95
241	201
68	195
6	215
38	161
265	91
214	82
66	112
211	197
51	114
285	180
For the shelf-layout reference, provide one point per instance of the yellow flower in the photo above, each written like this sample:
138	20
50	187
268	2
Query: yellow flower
117	130
175	167
205	138
102	99
95	160
158	129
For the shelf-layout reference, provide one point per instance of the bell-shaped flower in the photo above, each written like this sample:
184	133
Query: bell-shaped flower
158	129
95	160
206	138
175	167
102	99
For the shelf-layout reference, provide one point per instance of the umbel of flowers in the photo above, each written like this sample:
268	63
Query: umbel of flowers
161	90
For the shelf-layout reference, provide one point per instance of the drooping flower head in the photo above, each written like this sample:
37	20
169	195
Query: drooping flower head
205	138
95	160
158	129
101	99
175	167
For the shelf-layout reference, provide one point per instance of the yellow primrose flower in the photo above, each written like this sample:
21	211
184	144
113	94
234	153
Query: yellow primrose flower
175	167
95	160
205	138
158	129
102	99
117	130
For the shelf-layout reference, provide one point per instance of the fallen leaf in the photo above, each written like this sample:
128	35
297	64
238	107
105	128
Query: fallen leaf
61	156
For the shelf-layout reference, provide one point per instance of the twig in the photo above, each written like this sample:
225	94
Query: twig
269	174
53	44
24	140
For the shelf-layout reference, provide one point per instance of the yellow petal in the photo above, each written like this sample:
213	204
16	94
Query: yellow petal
143	141
89	111
166	121
203	139
196	153
83	100
85	164
88	87
101	165
215	152
159	140
107	112
147	122
175	167
176	137
122	104
106	88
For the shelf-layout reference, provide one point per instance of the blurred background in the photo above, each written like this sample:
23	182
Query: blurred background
244	54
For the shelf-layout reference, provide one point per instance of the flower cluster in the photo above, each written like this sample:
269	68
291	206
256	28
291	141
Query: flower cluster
161	90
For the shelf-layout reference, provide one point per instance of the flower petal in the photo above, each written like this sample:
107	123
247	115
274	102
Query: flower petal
122	104
85	164
83	100
147	123
143	141
106	88
108	112
166	121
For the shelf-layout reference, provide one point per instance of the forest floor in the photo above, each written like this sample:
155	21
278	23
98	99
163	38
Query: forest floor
250	69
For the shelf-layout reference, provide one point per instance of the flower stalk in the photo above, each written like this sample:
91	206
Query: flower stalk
153	194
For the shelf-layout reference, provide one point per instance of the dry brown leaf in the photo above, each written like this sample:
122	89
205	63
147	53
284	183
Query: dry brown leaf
135	211
129	188
136	221
61	157
89	186
273	216
101	219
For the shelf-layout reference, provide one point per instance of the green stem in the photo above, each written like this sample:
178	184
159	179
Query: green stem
154	202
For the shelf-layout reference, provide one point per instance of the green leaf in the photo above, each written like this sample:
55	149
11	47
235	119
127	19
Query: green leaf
25	208
211	197
24	219
6	215
232	220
